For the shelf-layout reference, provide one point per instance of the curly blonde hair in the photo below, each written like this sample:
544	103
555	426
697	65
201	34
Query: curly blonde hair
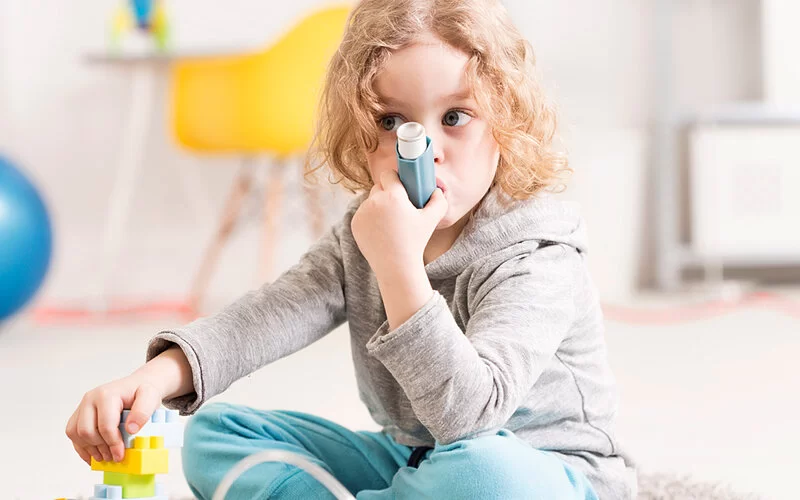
500	73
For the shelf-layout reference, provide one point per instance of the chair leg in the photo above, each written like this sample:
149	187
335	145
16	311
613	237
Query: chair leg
316	214
233	206
131	161
273	201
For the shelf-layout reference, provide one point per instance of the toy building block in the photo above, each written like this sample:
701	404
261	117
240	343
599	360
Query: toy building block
133	485
163	422
102	491
106	492
148	456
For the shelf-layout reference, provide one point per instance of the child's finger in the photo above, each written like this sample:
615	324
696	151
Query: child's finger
97	439
78	442
108	416
390	180
72	427
94	452
105	452
85	456
87	427
118	451
437	205
145	402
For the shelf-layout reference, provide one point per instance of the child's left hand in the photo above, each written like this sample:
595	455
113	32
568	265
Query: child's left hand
390	231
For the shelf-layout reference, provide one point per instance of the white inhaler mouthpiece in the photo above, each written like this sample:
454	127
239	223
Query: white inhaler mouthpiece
411	140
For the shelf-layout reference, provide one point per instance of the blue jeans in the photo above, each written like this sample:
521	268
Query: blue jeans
369	464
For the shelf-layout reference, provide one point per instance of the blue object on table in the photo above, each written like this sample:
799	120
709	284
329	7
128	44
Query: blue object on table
143	10
25	240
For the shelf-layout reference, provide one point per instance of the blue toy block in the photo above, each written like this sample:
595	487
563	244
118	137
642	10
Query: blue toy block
108	492
104	491
163	422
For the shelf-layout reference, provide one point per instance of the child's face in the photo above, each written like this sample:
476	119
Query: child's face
425	83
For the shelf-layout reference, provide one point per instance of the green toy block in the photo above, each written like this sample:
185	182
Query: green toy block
133	485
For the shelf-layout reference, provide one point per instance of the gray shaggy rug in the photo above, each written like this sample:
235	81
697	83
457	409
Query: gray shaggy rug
655	486
674	487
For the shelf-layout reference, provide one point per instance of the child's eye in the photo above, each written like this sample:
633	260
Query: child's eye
454	118
391	123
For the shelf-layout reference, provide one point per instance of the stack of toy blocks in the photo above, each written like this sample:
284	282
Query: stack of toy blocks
146	454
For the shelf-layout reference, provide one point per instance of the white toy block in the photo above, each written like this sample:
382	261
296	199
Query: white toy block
163	422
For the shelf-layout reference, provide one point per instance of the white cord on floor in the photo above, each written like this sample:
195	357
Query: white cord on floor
289	457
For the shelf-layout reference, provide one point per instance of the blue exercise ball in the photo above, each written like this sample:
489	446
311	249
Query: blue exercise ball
25	240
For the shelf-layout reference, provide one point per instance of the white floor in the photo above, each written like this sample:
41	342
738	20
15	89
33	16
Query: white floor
717	399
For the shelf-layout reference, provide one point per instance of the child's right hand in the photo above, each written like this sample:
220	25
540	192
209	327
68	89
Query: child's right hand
94	427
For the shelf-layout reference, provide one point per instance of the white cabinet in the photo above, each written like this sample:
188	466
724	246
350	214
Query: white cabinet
744	184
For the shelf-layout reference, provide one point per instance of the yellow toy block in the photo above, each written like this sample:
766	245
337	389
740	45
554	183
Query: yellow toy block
148	456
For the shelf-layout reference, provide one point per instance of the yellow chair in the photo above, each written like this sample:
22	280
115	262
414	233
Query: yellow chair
256	104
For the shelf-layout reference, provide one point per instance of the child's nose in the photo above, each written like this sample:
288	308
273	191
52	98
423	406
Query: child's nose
438	147
438	153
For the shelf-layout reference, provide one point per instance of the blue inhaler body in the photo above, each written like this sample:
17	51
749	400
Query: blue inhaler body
415	163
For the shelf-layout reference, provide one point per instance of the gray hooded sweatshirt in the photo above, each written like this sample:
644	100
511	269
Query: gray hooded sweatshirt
511	338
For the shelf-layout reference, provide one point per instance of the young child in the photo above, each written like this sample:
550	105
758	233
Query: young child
476	332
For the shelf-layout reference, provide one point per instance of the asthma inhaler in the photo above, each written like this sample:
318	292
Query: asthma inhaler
415	163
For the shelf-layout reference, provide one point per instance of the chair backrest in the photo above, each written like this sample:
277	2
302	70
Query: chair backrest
261	102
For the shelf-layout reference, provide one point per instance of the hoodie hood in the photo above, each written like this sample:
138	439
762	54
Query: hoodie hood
501	221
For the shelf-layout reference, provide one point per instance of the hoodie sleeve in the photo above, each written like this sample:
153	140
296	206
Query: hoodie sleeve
300	307
463	383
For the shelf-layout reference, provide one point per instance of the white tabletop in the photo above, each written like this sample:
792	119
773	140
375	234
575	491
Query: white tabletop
157	58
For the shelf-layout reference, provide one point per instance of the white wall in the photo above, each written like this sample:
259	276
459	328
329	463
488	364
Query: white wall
596	56
781	69
5	129
68	118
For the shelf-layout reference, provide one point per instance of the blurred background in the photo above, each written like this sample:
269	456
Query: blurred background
134	194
